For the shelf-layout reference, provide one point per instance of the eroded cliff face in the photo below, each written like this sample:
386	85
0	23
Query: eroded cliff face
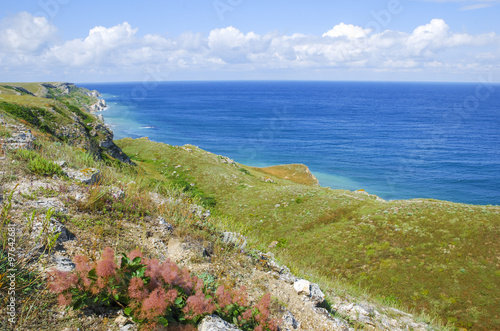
61	110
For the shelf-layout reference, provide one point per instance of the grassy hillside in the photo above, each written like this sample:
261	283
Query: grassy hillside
432	256
435	257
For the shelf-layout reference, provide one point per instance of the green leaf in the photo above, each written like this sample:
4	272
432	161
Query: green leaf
92	274
127	311
163	321
78	304
123	263
137	260
141	272
235	321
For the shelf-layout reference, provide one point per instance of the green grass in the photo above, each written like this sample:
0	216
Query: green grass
433	257
31	87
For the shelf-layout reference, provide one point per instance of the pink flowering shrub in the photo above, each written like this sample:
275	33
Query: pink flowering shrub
154	292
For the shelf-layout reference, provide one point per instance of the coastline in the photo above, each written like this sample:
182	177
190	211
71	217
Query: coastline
131	119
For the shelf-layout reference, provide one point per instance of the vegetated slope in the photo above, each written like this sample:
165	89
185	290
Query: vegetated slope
433	256
61	116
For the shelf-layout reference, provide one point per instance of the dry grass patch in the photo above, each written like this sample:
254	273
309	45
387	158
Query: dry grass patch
297	173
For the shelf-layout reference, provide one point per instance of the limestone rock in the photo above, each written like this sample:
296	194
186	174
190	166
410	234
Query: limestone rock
338	323
100	105
121	322
53	228
47	203
273	244
288	277
87	176
317	296
128	327
21	137
302	286
226	160
106	142
63	263
215	323
289	321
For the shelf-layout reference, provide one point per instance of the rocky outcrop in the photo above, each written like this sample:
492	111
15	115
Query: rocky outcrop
106	142
98	106
20	137
88	176
215	323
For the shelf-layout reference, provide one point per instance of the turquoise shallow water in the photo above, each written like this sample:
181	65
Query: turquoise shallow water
396	140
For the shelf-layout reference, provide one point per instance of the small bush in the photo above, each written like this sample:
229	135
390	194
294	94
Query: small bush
154	293
38	164
194	191
44	167
25	154
245	171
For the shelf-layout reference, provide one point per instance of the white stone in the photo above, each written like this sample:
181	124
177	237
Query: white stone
215	323
87	176
302	286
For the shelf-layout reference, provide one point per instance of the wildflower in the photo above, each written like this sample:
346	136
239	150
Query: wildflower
169	272
199	284
223	297
197	305
135	253
64	300
185	281
82	264
62	281
263	308
101	284
240	296
247	314
153	269
106	268
155	305
136	289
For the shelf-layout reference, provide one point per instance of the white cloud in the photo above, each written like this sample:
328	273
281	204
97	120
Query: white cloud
25	33
101	45
118	50
347	30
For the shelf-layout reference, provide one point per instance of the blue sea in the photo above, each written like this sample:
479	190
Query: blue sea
395	140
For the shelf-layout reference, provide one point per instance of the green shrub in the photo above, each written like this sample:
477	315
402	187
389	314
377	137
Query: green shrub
44	167
38	164
30	115
186	186
245	171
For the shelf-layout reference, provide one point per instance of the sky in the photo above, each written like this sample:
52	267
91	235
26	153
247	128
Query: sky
164	40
